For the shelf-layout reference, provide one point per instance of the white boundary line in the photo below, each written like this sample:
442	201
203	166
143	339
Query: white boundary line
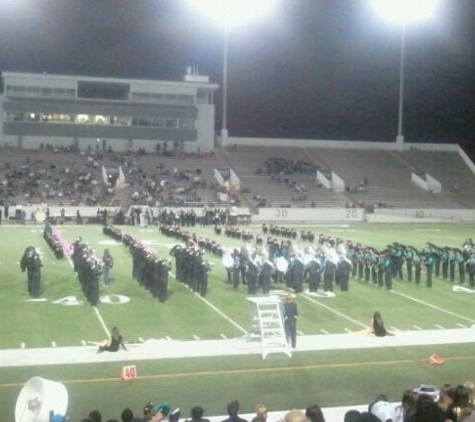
431	306
104	326
99	316
221	313
214	308
334	311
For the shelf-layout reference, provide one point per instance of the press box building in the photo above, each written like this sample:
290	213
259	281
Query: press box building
87	112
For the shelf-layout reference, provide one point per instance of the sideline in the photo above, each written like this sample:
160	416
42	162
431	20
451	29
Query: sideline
254	370
335	311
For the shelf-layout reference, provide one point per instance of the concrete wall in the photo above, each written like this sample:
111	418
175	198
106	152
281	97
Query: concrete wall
205	128
312	215
334	144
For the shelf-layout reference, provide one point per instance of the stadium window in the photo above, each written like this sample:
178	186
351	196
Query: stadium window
144	122
59	92
123	121
171	123
157	122
157	98
33	91
46	92
170	98
186	124
18	91
70	93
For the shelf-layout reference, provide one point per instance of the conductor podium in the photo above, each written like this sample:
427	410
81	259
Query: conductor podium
268	325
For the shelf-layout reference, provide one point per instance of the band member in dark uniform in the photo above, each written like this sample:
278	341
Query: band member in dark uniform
31	263
114	342
290	320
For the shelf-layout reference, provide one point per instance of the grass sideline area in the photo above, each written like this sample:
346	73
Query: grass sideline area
329	378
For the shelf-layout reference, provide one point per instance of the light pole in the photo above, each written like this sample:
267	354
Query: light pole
229	14
404	12
400	136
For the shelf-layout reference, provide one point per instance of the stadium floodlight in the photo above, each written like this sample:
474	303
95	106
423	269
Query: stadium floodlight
405	11
229	14
233	12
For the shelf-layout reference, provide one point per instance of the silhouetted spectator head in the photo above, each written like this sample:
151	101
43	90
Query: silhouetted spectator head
127	415
314	413
197	412
351	415
233	408
95	416
427	410
367	417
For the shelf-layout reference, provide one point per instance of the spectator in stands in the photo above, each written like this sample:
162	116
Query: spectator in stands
314	413
95	416
468	415
446	400
367	417
426	410
407	406
351	415
197	415
261	413
127	415
470	386
383	410
233	410
295	415
461	400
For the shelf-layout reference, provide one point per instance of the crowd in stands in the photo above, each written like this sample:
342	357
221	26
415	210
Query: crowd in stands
73	178
286	166
449	404
65	176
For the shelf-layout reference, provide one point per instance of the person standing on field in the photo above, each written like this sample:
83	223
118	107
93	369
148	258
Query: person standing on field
108	263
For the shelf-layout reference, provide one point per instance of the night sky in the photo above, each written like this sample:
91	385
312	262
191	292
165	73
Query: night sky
316	69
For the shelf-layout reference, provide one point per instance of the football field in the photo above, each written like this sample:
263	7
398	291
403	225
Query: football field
63	318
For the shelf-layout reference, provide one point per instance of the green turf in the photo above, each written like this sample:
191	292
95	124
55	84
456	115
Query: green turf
328	378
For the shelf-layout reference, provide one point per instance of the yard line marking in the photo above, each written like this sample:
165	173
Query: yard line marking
347	330
222	336
83	342
431	306
141	340
104	326
221	313
23	345
53	344
395	328
417	328
168	337
300	333
335	311
215	309
462	326
324	331
439	326
196	337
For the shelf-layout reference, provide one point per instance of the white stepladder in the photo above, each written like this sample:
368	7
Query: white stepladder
268	324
